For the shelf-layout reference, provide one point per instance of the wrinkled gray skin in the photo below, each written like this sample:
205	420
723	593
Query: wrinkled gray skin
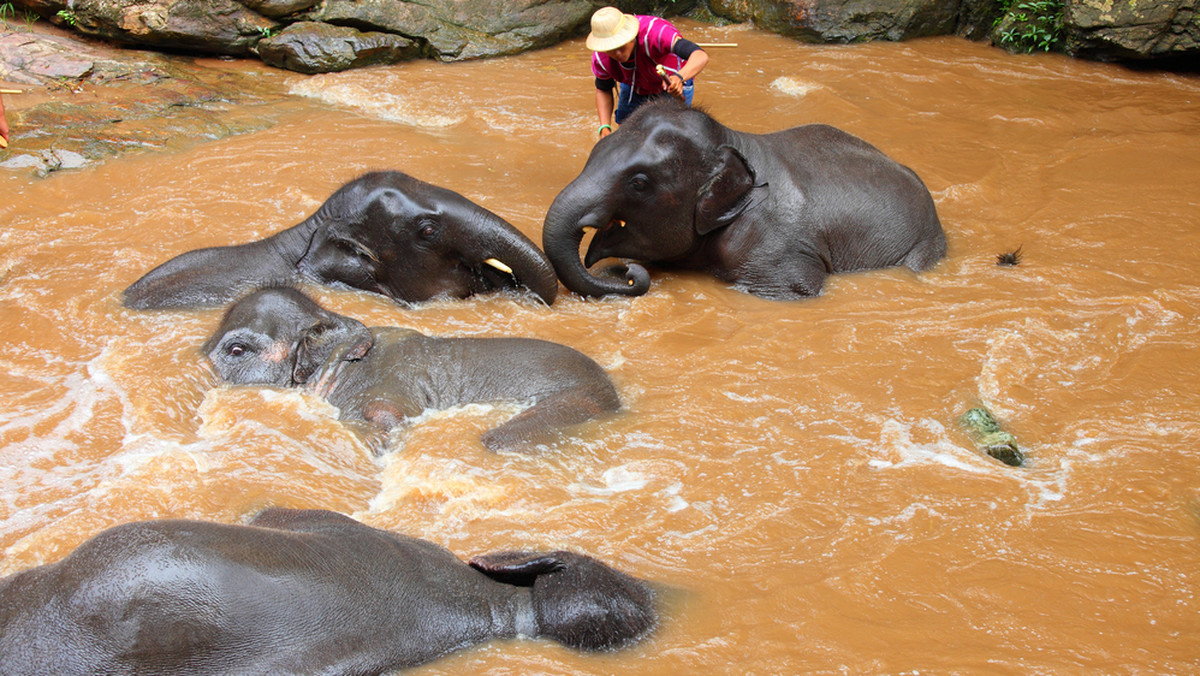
297	591
773	214
385	375
384	232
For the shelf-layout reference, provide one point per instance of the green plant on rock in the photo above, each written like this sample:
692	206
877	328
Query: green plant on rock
7	12
1030	25
68	17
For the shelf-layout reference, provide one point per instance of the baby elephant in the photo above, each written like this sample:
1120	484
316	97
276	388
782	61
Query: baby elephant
297	591
384	375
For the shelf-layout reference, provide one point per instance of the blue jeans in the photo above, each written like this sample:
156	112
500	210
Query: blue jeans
626	104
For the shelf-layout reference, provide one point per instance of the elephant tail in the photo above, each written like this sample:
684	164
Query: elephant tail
577	600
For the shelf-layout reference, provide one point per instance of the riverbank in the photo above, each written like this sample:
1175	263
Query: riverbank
80	102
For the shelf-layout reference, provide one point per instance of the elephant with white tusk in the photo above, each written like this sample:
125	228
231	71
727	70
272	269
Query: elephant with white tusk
773	214
385	232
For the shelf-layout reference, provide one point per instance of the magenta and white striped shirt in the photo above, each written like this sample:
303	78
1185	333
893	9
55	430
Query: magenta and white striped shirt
652	47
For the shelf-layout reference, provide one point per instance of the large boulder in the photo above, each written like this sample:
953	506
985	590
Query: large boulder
448	30
206	26
301	34
311	47
1132	29
842	21
456	30
277	9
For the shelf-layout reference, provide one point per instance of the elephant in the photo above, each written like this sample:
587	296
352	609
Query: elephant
385	375
772	214
298	591
384	232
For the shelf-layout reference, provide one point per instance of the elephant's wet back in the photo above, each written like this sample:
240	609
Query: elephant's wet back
794	472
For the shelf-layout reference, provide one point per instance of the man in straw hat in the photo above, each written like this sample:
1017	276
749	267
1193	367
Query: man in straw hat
646	55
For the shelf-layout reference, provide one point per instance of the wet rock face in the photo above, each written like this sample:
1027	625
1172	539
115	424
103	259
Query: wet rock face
207	26
278	8
313	36
290	35
1132	29
844	21
456	30
102	102
1097	29
311	47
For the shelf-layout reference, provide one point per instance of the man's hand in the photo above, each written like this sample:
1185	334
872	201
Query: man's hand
673	84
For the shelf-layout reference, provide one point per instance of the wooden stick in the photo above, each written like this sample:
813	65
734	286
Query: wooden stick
11	91
716	44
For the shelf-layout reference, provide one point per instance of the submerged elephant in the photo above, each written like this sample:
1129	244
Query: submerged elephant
385	232
773	214
298	591
384	375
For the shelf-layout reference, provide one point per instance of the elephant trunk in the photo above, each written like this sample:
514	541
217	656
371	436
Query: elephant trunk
512	253
562	234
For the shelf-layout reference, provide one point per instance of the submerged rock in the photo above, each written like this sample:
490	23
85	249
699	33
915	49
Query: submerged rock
991	438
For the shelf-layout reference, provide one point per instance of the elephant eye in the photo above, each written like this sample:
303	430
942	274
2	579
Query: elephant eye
427	229
235	349
639	183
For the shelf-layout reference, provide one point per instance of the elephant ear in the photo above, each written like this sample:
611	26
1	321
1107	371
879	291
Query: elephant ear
726	193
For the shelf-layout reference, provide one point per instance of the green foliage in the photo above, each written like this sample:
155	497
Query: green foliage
1030	25
68	17
8	12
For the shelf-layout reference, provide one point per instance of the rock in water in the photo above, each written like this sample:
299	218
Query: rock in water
991	438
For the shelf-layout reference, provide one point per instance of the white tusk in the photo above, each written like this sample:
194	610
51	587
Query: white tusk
621	223
499	266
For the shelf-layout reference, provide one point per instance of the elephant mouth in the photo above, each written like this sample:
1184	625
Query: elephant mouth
614	223
598	247
492	274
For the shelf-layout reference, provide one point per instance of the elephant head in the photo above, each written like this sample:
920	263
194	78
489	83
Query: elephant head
577	600
409	240
279	336
652	191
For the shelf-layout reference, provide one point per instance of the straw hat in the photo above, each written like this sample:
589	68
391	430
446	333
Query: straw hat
611	29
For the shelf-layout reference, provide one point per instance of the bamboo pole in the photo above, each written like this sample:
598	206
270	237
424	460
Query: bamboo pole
716	44
11	91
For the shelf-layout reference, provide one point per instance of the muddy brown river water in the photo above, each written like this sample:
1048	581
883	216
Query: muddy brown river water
793	473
